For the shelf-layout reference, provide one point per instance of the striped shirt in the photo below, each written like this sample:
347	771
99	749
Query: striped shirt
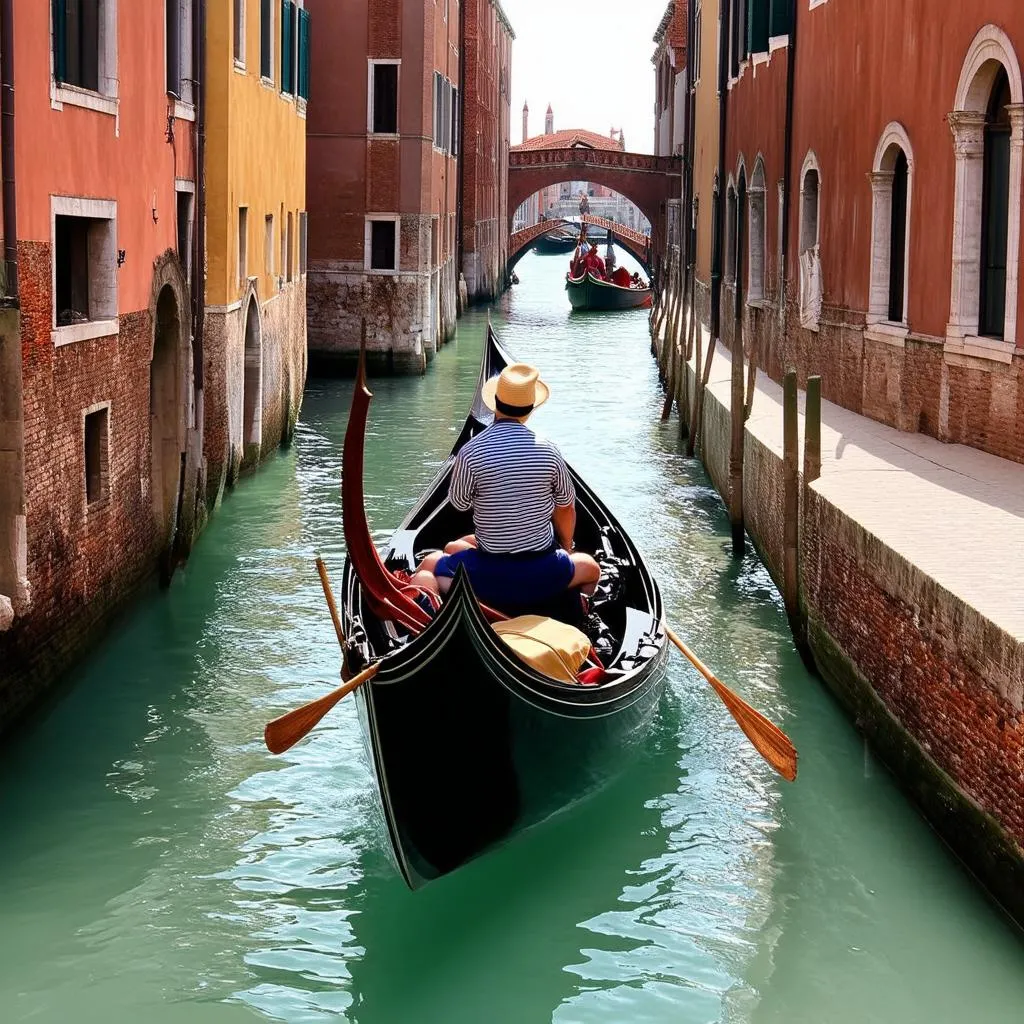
512	480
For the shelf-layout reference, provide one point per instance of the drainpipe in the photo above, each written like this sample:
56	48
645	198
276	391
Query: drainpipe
10	211
787	174
716	244
199	255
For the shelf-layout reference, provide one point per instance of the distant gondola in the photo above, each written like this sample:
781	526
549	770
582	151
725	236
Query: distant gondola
555	242
590	292
470	745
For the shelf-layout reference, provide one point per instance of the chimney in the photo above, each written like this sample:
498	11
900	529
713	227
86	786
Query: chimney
549	121
526	117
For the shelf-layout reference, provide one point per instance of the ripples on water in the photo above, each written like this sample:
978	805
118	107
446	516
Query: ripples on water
161	866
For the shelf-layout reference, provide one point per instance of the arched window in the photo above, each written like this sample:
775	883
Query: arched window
756	260
891	179
810	255
741	238
729	266
987	123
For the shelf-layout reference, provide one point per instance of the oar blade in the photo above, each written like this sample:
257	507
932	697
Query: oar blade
768	739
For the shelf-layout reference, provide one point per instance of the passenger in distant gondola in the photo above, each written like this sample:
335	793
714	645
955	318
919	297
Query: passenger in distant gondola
524	507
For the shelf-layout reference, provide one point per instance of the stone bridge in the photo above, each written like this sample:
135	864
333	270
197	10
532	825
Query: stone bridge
635	243
649	181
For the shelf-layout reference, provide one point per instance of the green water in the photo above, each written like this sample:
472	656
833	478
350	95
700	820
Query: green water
159	866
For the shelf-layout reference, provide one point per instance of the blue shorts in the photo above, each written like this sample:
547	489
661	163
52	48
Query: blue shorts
512	580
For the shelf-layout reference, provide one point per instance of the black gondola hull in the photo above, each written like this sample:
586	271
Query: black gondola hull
589	292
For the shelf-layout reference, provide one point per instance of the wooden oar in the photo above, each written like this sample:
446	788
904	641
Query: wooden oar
768	739
286	731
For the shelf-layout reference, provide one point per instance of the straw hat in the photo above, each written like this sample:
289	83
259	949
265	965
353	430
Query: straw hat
516	391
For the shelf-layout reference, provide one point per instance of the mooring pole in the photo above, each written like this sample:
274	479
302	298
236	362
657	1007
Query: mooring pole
791	497
812	431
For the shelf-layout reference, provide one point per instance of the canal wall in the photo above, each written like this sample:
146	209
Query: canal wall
911	621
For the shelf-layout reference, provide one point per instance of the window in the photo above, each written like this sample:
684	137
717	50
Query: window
268	244
810	256
289	42
758	14
291	249
455	122
730	233
995	213
84	269
183	200
284	244
698	21
756	257
303	54
383	119
778	18
96	455
267	40
76	42
303	241
243	245
239	31
987	123
178	19
444	108
382	239
890	226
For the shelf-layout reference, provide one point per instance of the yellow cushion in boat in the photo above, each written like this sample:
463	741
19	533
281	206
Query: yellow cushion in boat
553	648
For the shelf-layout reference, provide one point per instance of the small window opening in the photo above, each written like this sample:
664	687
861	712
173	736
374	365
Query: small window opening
268	254
382	245
184	211
385	99
72	266
96	482
291	248
243	244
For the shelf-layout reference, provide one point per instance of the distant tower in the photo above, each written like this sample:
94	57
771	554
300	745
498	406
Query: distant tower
549	121
622	139
526	118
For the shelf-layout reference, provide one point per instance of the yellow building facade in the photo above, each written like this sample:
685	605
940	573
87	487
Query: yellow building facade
257	68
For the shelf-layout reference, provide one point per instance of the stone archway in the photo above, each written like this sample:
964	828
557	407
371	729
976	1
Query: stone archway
252	384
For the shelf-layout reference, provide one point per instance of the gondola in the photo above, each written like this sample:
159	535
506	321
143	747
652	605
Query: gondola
555	242
471	746
590	292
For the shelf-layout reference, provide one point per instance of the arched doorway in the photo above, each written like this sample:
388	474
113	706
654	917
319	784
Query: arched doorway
166	441
252	400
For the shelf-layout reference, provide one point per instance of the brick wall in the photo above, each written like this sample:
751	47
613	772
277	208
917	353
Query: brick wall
83	561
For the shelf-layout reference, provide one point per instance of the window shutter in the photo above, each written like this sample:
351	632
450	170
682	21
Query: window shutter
286	46
779	18
757	26
266	38
304	53
173	28
60	40
455	122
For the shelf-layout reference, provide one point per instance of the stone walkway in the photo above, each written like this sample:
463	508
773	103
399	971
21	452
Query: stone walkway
954	512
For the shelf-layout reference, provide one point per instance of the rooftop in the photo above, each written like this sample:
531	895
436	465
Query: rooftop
570	138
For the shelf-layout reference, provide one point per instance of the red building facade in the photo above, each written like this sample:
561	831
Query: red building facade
900	279
382	192
97	395
487	52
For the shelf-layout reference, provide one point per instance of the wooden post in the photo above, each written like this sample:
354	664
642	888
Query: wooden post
672	341
737	419
791	497
685	410
812	431
691	441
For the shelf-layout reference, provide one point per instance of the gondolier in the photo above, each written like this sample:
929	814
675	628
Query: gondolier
523	503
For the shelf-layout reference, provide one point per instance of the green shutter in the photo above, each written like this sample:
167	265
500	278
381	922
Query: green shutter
304	53
757	26
779	20
286	46
60	40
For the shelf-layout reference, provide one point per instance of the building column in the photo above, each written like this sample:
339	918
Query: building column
968	128
881	241
1015	111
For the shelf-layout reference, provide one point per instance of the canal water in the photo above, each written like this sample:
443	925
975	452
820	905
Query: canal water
159	865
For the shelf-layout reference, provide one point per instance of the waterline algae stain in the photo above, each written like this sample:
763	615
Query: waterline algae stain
160	865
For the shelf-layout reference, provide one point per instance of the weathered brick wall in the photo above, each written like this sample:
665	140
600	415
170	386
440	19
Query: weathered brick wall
283	344
83	562
938	689
914	386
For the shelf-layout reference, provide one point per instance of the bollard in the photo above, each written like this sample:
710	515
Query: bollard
812	431
791	498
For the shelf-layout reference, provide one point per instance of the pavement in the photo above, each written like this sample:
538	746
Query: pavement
954	512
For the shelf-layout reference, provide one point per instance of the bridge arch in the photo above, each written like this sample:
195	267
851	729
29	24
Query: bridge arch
637	245
648	181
